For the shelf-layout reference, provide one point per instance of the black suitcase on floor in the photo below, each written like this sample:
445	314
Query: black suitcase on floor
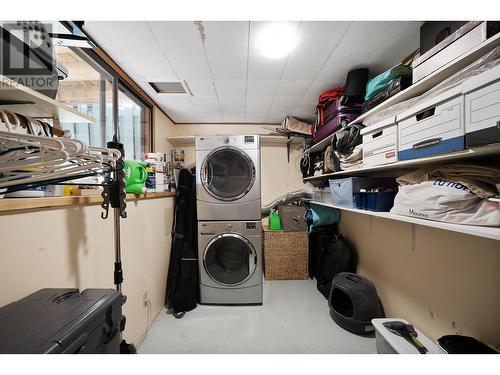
63	321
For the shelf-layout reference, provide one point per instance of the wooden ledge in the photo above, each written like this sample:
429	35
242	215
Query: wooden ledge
45	203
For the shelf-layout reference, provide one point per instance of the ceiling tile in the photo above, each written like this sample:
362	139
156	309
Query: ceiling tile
337	67
318	38
230	87
228	66
205	103
179	37
262	67
259	27
175	101
295	88
259	103
234	116
226	37
189	65
302	67
201	87
258	117
262	87
133	36
153	66
232	104
145	50
211	116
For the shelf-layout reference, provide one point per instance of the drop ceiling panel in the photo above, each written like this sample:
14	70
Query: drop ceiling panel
264	68
258	117
230	87
179	37
317	38
232	104
206	103
294	88
210	116
259	27
234	116
226	38
303	67
230	79
189	65
128	35
228	66
262	87
201	86
259	103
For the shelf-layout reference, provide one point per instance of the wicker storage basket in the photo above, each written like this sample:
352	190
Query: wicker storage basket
285	255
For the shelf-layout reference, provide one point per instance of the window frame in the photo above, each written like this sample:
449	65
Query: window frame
96	59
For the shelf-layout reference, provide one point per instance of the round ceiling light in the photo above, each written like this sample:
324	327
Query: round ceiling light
277	40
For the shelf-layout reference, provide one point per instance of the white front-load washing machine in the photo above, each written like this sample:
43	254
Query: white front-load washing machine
230	261
228	177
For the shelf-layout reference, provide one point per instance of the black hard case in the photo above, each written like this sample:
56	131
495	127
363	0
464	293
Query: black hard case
63	321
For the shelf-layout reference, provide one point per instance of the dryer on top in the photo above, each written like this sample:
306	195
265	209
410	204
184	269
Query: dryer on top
228	177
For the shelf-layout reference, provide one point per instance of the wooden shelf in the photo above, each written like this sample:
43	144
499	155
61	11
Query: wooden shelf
424	84
406	165
485	232
45	203
36	105
188	140
182	141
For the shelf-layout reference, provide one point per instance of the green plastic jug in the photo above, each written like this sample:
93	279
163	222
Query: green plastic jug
135	176
274	220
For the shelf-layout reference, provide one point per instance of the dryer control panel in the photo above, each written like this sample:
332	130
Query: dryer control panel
243	142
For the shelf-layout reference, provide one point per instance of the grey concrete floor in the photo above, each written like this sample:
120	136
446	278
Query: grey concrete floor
293	319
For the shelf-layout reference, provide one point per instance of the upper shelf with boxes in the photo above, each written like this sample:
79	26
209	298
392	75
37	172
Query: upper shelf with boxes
439	147
395	85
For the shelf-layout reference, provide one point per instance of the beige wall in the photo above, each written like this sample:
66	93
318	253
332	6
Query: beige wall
443	282
73	248
278	175
163	128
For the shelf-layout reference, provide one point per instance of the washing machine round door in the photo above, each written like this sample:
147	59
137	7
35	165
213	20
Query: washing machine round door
227	173
230	259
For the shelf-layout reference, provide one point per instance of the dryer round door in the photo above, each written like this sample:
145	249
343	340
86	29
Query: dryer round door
227	173
230	259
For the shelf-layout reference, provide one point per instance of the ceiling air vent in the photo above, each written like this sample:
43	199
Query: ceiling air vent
170	87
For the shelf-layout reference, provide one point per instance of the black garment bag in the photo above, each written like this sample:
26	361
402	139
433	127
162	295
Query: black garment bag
182	282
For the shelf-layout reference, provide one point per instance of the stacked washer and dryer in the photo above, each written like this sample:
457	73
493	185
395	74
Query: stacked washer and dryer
228	198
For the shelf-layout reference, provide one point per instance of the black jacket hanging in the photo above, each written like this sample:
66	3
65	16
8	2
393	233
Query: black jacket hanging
182	282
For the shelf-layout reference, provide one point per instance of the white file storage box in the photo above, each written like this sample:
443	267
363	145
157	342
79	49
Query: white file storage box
343	189
482	108
389	343
380	143
435	126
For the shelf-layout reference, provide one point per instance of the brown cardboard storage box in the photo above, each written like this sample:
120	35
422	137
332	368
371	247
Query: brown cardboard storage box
285	255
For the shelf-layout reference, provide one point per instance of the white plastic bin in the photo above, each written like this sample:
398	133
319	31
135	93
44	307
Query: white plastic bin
389	343
380	143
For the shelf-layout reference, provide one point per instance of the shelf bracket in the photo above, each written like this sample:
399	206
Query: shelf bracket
371	226
412	239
